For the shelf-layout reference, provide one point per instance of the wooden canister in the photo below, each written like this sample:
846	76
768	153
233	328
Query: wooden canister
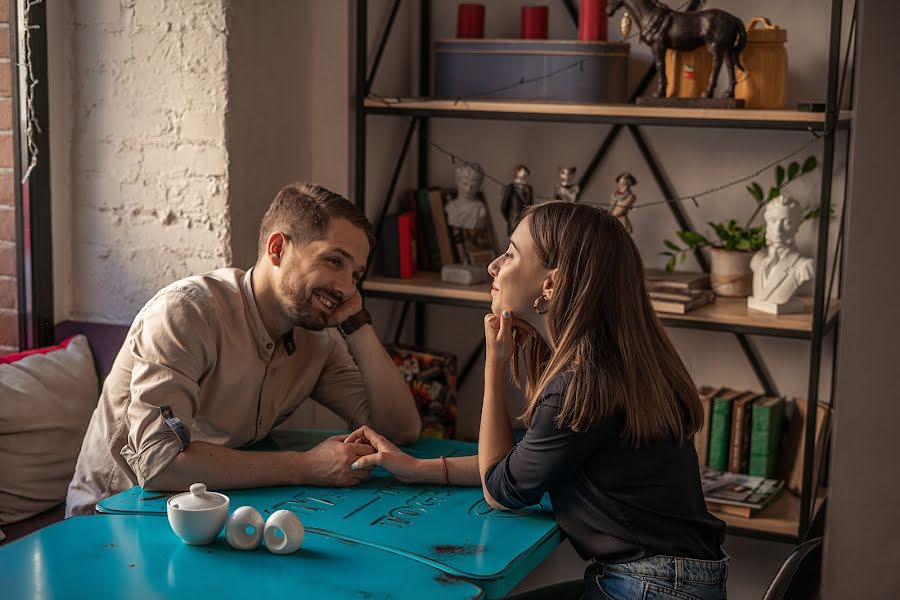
764	82
687	72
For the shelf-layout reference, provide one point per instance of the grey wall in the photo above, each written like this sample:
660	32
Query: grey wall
862	547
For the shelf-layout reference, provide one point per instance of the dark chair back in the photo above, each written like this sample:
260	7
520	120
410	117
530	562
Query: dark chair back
105	340
800	577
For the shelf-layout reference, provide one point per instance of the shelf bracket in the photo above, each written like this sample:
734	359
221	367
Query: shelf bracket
381	45
758	365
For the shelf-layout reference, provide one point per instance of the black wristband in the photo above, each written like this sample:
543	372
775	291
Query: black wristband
354	322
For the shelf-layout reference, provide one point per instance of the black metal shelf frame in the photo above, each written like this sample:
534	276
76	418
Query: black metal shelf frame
419	119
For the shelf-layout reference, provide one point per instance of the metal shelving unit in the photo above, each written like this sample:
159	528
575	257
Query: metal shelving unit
789	518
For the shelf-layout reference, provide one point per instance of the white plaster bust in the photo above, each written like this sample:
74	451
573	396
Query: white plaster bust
779	269
466	211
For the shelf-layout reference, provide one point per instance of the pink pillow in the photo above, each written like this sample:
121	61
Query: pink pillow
47	397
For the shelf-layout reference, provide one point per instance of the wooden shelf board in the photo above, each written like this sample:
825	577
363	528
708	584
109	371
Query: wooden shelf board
429	285
506	109
782	517
734	312
723	312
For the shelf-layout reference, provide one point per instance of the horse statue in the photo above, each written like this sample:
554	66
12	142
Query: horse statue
663	28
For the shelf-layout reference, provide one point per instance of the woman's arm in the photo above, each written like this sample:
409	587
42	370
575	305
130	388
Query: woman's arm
461	470
495	438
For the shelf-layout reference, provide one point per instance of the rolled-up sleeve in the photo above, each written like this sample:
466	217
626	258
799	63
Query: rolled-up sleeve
545	457
340	386
172	348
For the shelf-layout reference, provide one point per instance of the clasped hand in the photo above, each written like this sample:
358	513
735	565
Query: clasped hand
329	463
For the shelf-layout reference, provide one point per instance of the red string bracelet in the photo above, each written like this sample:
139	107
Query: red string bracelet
446	472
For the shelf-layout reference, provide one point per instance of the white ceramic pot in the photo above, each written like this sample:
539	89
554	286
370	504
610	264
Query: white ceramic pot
284	532
244	529
730	273
197	516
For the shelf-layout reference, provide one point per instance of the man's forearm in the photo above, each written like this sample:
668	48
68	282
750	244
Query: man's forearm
223	468
392	410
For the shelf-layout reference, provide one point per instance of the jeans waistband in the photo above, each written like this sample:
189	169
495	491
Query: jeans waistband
673	567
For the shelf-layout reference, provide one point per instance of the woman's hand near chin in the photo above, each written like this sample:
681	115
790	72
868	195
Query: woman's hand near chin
502	334
388	456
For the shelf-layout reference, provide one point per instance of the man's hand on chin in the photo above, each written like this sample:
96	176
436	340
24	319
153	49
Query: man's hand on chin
345	310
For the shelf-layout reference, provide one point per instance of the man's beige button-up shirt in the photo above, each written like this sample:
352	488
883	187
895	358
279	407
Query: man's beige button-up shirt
199	347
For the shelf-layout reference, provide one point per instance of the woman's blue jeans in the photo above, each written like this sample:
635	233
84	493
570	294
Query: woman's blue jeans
657	578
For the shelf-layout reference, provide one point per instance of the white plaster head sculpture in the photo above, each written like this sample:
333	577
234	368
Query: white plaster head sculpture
467	211
779	269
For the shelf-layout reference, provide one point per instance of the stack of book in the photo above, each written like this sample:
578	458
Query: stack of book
745	433
678	292
737	494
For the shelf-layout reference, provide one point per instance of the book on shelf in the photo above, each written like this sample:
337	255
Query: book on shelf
398	246
701	438
686	303
430	252
793	447
687	280
738	494
431	376
739	455
437	199
720	427
766	430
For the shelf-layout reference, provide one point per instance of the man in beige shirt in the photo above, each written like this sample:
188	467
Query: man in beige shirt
214	362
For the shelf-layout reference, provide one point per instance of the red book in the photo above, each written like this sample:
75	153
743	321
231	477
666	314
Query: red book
406	224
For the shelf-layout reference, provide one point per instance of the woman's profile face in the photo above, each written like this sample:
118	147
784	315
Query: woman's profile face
518	275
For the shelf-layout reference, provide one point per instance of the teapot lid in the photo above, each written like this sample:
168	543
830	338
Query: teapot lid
197	499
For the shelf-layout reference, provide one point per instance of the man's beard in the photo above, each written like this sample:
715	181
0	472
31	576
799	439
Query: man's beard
303	310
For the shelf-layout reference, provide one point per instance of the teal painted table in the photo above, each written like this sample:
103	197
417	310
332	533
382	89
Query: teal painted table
131	557
448	528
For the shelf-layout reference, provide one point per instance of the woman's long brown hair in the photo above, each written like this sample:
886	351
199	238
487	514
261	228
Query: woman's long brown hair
605	330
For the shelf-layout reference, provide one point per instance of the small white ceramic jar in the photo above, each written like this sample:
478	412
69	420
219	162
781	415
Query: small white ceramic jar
284	532
244	529
197	516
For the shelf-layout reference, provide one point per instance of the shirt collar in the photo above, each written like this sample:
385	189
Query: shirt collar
266	345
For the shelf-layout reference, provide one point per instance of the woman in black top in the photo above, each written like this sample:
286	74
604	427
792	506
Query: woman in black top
611	412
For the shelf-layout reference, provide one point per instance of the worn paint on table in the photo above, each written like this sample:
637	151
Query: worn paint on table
129	557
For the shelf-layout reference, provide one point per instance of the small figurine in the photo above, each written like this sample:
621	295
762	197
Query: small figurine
779	269
567	190
467	217
516	197
623	198
663	28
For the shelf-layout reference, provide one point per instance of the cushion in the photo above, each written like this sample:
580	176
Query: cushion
47	397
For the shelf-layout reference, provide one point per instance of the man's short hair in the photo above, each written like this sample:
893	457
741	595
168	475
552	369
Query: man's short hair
303	211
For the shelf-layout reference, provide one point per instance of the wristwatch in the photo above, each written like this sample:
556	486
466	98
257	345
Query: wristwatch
354	322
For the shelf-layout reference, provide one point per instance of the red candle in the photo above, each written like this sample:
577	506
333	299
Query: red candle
592	20
470	21
534	22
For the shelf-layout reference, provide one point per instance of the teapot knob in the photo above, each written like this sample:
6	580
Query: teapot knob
198	489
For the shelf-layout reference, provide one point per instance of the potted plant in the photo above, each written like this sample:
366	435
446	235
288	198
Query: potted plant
735	244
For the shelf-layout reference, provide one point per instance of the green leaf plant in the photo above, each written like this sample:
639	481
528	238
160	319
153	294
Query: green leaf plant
730	234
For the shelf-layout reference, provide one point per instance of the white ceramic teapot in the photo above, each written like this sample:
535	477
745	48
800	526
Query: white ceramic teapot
197	516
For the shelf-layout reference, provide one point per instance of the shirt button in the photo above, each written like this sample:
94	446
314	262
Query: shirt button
269	346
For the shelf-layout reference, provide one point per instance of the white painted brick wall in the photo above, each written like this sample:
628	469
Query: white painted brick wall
148	157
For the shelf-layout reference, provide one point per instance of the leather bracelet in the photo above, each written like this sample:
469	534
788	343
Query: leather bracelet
446	472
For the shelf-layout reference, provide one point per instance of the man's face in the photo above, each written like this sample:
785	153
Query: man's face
779	227
318	277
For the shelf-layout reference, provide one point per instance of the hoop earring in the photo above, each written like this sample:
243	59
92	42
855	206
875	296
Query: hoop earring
537	308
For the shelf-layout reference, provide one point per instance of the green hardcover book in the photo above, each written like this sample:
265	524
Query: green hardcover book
765	437
426	222
720	428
